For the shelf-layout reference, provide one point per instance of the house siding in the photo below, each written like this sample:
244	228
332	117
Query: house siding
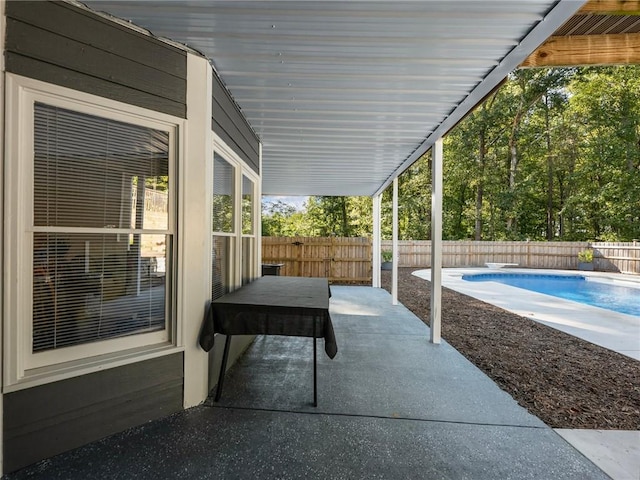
229	124
66	45
43	421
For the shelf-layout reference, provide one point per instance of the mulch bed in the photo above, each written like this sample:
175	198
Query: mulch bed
565	381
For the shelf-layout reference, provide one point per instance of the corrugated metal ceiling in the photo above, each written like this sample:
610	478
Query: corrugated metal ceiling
345	95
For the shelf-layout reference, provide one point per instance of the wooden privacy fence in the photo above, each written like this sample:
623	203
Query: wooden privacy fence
617	256
348	260
608	256
341	260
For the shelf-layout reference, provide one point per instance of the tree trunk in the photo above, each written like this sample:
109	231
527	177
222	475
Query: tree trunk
513	168
345	219
480	188
550	222
513	162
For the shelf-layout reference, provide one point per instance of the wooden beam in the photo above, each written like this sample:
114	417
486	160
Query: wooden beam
618	49
611	7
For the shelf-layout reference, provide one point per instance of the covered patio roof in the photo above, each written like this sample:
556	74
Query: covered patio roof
346	95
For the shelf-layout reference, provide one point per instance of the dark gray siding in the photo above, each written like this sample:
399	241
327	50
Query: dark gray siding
63	44
66	45
43	421
229	123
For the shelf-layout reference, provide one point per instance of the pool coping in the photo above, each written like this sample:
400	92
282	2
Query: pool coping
616	331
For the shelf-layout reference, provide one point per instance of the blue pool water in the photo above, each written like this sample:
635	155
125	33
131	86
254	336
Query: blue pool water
618	298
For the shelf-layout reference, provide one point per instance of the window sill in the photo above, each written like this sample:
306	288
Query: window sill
55	373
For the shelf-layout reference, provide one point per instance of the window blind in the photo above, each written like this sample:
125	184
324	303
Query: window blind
220	263
97	174
223	195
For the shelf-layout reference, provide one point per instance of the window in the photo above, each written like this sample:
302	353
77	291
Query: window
234	251
92	184
247	206
248	230
96	174
223	226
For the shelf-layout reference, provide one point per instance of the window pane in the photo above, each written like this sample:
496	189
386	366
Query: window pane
247	206
248	249
88	170
223	191
220	262
89	287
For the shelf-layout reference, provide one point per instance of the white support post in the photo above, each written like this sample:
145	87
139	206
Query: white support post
2	244
376	244
258	265
196	173
394	271
436	240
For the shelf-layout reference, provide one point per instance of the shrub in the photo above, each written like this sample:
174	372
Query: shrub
585	256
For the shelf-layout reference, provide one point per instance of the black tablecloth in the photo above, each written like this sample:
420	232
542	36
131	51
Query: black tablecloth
273	305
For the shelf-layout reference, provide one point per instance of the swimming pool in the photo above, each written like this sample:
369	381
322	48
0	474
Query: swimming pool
578	288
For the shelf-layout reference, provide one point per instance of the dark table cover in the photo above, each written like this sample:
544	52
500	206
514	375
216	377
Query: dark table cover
273	305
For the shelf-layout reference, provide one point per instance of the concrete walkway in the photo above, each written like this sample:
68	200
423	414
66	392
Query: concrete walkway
391	406
616	452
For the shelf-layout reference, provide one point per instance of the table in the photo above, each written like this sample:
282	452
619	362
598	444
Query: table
271	268
272	305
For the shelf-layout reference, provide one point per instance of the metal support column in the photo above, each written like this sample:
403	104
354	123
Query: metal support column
376	243
436	240
396	260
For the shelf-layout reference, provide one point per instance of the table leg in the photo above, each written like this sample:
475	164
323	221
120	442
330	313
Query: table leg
223	367
315	367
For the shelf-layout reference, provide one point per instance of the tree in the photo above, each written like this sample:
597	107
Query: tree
280	219
340	216
606	102
553	154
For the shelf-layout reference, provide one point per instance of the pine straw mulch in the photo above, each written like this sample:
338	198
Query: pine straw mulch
565	381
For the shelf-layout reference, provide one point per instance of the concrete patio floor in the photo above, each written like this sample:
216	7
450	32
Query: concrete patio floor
391	405
617	452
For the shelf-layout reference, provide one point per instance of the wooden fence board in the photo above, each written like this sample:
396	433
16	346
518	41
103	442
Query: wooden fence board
341	260
617	257
348	260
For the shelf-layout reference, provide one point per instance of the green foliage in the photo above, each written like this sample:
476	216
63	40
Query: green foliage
222	206
552	155
387	255
321	217
585	256
282	220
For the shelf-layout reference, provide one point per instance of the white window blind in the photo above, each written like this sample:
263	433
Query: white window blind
221	256
102	238
223	218
223	195
248	229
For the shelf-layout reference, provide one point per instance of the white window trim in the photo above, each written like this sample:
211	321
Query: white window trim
257	215
22	368
233	235
255	208
3	24
221	148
